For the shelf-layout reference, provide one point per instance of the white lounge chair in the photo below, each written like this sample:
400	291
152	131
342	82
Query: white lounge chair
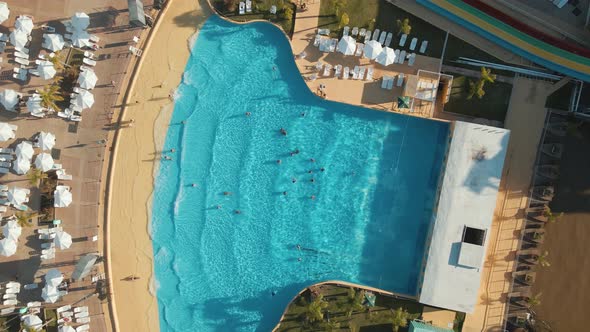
402	40
423	46
369	74
47	245
63	308
345	31
327	70
384	81
81	309
402	57
83	328
333	44
325	32
8	296
81	314
242	8
7	311
355	72
346	73
376	34
4	170
248	6
400	79
368	35
388	39
382	37
83	320
362	32
89	55
30	287
413	43
13	284
94	38
355	31
12	291
411	59
6	150
90	62
360	47
338	71
361	74
390	83
316	41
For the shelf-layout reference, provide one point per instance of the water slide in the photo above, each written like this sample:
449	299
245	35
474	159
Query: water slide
555	54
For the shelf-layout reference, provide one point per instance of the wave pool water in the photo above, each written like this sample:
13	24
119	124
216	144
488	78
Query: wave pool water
374	178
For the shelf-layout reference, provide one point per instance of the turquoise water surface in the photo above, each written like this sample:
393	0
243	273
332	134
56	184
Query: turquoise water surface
374	178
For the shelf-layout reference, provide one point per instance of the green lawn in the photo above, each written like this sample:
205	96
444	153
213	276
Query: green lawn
493	105
260	11
336	296
380	14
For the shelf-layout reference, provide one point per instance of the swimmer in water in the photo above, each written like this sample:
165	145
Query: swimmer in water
248	113
227	193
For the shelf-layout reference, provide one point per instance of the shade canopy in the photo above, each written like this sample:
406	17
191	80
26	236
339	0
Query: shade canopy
80	21
84	99
12	230
347	45
19	38
7	247
24	150
81	39
17	196
34	104
46	141
21	165
386	57
24	23
53	277
50	294
8	98
4	12
87	79
62	240
46	70
372	49
44	162
53	42
6	132
32	321
84	266
62	197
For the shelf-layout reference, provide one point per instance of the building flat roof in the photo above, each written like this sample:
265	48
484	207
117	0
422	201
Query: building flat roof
463	215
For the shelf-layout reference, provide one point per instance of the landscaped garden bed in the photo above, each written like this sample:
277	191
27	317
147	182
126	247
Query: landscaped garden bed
284	17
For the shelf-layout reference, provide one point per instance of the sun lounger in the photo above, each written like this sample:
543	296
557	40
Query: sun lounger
390	83
63	308
13	285
346	73
7	311
402	57
316	41
345	31
68	36
89	62
67	314
47	257
22	49
402	40
411	59
4	170
362	32
12	291
83	328
327	70
313	77
376	34
81	309
46	236
333	44
423	46
248	6
8	296
21	61
89	55
382	37
30	287
3	37
94	38
34	72
3	187
367	36
369	74
413	43
338	70
325	32
355	31
361	74
5	164
83	320
2	46
76	118
355	73
400	79
22	55
3	209
22	207
360	47
6	157
388	39
47	245
81	314
47	251
384	81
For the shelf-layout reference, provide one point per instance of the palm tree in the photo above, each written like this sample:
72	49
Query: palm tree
400	318
56	61
23	219
72	72
35	176
534	300
547	213
330	326
542	259
339	4
486	75
476	89
50	95
344	19
404	26
354	301
314	310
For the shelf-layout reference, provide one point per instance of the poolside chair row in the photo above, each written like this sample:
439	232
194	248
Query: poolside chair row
358	72
387	81
384	38
413	43
245	7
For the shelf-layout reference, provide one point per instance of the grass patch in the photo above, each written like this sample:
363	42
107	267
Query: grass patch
260	11
459	320
493	105
382	15
51	314
364	319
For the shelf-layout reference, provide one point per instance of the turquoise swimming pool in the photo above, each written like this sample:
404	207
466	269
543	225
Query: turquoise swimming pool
350	199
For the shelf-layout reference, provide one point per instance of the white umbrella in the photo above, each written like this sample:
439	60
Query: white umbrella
80	39
32	321
17	196
6	132
21	166
19	38
53	277
53	42
65	328
24	150
62	197
8	98
372	49
24	24
4	12
46	141
80	21
46	70
7	247
87	79
62	240
12	230
386	57
84	99
44	162
50	294
347	45
34	104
